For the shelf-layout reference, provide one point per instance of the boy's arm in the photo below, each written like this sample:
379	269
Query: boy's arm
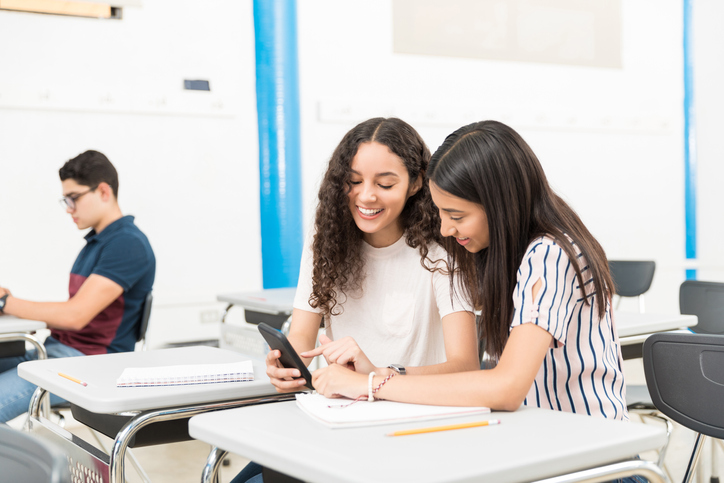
96	293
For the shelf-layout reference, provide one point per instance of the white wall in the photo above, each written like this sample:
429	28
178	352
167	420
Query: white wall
709	78
187	164
609	139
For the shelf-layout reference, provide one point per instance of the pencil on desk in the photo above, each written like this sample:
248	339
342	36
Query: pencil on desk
73	379
433	429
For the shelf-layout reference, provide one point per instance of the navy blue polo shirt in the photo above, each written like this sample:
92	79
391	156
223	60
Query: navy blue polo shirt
121	253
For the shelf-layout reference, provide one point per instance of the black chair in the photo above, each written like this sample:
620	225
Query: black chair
26	458
685	377
706	301
632	278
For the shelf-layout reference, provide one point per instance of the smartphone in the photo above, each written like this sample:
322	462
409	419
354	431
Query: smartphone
289	359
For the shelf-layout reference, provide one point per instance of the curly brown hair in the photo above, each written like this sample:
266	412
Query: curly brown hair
338	267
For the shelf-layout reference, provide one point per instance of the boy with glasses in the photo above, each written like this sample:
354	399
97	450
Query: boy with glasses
109	281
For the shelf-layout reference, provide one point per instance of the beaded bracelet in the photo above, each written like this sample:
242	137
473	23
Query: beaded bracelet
370	394
374	391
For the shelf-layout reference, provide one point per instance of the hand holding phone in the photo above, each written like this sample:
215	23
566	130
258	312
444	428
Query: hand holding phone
289	357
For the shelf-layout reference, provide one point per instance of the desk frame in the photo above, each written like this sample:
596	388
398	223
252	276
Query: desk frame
602	474
92	460
24	336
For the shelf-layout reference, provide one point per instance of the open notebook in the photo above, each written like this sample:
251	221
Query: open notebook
364	413
185	375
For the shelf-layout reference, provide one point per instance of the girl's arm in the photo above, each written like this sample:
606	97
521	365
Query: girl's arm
503	387
461	349
302	336
461	346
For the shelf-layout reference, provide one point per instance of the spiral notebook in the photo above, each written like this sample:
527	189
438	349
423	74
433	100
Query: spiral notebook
186	375
339	413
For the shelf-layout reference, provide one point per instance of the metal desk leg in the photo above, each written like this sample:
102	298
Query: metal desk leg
42	355
647	469
118	452
223	316
211	470
35	402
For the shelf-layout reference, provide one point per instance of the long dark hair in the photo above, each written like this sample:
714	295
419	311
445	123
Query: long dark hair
490	164
338	263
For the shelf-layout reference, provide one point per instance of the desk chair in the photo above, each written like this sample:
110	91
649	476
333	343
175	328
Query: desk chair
685	377
706	301
632	278
23	457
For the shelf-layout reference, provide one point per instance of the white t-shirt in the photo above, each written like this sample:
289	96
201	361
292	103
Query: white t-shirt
397	316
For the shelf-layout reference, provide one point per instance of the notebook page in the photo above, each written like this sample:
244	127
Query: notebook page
186	374
365	413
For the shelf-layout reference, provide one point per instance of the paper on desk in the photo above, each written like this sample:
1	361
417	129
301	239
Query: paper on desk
365	413
186	375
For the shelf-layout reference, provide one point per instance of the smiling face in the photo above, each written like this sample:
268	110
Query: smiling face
379	189
462	219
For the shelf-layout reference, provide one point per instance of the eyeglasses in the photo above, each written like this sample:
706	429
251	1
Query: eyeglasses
69	201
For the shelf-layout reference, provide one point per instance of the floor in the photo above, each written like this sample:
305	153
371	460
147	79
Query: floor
183	462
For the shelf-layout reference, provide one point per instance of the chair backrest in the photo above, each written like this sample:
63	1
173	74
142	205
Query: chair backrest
632	277
685	377
24	457
145	315
706	301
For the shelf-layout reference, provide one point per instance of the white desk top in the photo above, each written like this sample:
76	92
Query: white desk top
273	300
631	324
101	371
10	323
529	444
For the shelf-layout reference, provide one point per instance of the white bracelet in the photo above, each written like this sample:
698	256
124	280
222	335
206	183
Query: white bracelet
370	397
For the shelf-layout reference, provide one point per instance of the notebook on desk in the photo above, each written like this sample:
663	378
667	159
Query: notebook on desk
339	413
183	375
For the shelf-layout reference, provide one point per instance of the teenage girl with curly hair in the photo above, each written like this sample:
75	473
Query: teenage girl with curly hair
375	273
536	273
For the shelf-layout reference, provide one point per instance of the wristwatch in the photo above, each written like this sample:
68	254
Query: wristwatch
2	301
398	368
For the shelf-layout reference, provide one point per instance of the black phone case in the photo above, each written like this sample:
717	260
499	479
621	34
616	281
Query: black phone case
289	358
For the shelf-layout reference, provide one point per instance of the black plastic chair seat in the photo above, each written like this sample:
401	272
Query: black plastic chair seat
163	432
24	457
632	277
13	348
685	377
706	301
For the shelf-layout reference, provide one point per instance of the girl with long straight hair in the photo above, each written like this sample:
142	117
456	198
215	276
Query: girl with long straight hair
538	276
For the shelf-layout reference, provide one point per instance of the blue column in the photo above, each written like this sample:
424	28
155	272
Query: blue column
277	101
690	161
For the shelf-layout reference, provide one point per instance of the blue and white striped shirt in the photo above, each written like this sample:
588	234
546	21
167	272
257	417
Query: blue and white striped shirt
583	369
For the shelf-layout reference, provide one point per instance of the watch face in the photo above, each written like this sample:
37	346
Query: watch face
398	368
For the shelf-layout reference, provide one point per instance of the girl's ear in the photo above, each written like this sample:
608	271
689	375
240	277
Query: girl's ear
415	187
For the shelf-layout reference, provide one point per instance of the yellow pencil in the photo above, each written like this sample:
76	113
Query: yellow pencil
73	379
433	429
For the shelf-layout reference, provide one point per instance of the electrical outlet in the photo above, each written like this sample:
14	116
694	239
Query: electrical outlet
211	316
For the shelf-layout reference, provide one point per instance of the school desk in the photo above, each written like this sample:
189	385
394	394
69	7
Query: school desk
529	444
13	329
634	328
144	405
272	306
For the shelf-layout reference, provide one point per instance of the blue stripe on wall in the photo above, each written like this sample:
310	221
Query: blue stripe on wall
690	161
277	100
